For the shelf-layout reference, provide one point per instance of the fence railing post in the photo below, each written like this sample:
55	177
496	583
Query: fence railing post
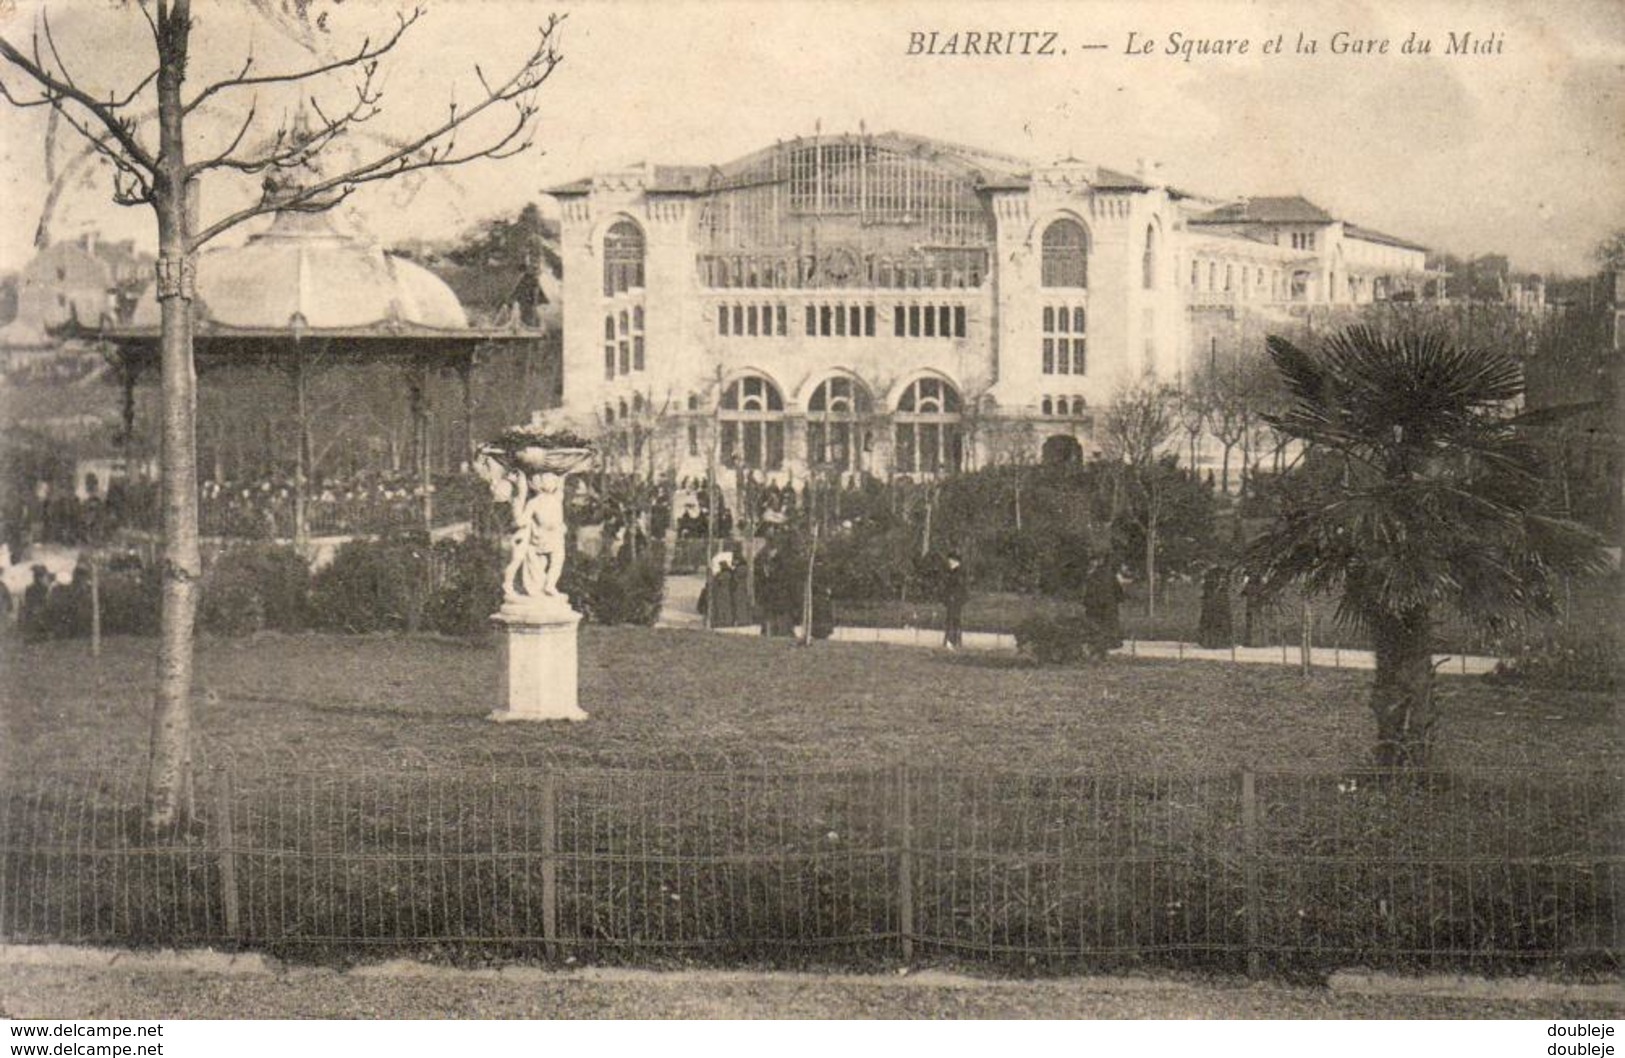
550	865
1249	868
905	864
226	852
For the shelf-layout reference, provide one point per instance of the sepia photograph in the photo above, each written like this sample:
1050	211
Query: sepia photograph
823	510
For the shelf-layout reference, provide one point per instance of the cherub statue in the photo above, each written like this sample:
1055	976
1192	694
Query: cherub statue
538	540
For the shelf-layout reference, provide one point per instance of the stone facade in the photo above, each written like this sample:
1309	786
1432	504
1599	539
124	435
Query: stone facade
899	306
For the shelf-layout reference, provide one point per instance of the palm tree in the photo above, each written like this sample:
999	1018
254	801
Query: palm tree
1418	495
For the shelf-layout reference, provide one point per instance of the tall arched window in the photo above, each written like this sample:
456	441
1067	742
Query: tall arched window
623	258
835	432
1066	255
752	417
1148	260
928	439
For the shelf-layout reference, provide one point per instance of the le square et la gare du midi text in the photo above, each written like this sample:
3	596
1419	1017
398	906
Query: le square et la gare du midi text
1043	43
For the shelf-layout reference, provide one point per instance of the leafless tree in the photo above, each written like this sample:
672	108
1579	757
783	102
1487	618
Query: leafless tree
142	131
1138	425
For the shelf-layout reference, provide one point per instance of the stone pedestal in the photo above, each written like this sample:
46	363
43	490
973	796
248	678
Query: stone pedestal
539	659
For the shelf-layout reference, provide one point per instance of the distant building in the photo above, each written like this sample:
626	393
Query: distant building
901	306
82	280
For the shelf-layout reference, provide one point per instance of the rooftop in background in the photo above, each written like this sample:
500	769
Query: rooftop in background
304	271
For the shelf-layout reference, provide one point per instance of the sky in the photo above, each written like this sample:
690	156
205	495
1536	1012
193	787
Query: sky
1518	150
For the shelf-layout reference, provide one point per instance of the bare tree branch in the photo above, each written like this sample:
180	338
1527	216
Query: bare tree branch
289	150
434	149
365	54
60	90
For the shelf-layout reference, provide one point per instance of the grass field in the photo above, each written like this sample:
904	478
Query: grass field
742	800
657	694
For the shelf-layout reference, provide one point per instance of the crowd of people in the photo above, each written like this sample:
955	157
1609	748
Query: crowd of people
50	609
49	514
768	590
368	503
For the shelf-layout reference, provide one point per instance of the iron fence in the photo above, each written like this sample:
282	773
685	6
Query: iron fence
730	861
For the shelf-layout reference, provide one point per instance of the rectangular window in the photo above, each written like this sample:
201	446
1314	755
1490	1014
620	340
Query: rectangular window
930	321
840	320
637	352
914	321
609	362
775	445
722	319
930	453
904	456
869	321
750	320
898	322
1064	340
812	321
959	321
739	319
855	327
784	317
825	321
626	356
730	441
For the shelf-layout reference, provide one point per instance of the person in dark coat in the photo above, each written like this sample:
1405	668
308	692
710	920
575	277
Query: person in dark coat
1101	597
1216	628
955	592
36	597
823	612
738	582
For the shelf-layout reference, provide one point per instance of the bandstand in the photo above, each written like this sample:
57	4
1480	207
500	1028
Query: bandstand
308	291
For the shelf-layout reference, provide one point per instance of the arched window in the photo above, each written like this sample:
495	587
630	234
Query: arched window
836	435
752	416
928	439
1066	255
623	258
1148	260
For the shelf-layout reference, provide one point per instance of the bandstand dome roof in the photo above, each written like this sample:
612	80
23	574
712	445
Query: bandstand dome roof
305	272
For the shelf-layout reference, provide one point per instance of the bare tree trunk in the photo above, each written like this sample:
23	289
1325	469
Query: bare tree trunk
301	460
1151	566
169	774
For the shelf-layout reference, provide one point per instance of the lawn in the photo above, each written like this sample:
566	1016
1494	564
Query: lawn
666	694
738	800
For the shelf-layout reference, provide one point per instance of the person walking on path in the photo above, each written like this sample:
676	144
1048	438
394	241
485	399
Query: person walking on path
1102	594
954	594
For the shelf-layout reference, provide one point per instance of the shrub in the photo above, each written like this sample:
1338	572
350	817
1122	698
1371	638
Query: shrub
1584	651
610	590
130	602
253	588
469	587
1570	659
868	564
373	586
1063	637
